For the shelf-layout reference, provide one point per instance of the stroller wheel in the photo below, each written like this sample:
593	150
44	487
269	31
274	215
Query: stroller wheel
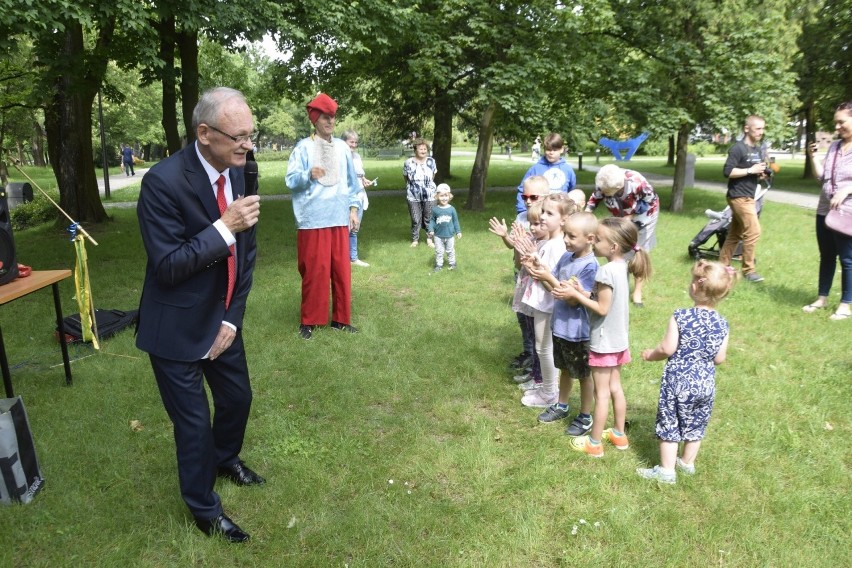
693	252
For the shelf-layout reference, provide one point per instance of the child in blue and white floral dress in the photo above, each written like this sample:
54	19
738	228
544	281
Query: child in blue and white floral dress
695	342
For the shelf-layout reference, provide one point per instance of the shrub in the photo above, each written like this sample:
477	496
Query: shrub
702	149
654	147
273	155
35	212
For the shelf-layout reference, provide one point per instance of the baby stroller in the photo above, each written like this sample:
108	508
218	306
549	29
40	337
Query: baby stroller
709	240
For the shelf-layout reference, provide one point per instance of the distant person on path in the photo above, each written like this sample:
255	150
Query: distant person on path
419	173
351	139
835	172
199	237
626	193
695	342
744	169
536	149
559	175
444	228
325	188
127	160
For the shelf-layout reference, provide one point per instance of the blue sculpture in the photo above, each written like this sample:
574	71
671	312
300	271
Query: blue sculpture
617	146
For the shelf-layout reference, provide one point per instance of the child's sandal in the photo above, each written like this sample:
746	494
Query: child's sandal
811	308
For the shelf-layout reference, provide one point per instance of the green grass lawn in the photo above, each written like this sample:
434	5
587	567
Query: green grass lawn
406	445
501	173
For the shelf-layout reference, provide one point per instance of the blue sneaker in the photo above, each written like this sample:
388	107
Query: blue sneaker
579	426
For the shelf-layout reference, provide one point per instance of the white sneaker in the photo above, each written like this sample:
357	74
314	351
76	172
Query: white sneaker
657	473
359	262
529	385
684	468
538	399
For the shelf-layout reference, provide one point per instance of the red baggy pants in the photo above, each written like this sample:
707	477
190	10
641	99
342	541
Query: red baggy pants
323	256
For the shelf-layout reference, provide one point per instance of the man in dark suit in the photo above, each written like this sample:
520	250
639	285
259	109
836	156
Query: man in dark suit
198	232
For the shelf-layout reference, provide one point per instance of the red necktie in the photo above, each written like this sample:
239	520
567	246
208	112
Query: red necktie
232	259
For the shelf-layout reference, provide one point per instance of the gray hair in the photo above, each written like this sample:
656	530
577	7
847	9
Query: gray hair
211	102
609	179
348	135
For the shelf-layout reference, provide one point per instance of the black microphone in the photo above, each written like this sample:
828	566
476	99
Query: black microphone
250	172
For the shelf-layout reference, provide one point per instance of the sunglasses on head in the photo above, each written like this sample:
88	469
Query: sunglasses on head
532	198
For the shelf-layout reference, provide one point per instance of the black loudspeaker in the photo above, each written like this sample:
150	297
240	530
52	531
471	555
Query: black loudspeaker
8	262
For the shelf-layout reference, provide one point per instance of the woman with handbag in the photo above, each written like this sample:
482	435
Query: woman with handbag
834	215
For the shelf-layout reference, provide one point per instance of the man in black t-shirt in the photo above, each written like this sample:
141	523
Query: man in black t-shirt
744	169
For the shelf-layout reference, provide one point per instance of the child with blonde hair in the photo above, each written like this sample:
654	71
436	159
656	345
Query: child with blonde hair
609	318
444	227
695	342
531	379
556	208
535	188
570	322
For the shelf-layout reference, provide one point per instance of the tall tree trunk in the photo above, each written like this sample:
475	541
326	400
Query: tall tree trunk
167	54
810	136
671	159
479	175
442	144
188	48
37	142
68	122
680	168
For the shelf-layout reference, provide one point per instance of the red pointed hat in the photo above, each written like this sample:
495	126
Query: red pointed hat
322	104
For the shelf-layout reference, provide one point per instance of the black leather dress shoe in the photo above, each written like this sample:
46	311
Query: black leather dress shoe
306	331
343	327
222	526
240	474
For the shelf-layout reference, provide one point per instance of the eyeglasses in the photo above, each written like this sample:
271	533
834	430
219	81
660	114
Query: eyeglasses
532	198
238	139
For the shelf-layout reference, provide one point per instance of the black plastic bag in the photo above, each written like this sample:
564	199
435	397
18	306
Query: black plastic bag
109	323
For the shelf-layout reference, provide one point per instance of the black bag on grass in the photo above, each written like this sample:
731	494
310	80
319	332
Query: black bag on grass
20	474
109	323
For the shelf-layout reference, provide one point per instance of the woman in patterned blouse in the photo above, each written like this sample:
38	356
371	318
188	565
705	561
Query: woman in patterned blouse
419	173
626	193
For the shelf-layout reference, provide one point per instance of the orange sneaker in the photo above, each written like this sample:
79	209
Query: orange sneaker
617	440
584	444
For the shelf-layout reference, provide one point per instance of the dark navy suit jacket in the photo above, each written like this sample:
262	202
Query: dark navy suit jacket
186	276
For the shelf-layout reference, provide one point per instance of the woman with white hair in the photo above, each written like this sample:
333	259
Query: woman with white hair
626	193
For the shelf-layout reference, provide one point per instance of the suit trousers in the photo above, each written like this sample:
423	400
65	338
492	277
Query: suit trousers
323	256
203	447
745	226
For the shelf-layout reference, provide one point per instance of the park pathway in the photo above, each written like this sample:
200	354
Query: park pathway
120	181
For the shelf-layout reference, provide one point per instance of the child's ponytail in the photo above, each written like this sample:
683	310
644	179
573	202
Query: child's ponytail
640	265
625	235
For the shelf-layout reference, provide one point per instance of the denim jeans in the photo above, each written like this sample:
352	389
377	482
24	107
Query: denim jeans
443	245
353	238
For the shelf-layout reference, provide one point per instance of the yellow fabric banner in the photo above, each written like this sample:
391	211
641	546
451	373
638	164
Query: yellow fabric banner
84	292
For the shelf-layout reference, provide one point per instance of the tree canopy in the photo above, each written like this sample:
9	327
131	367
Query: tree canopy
508	70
